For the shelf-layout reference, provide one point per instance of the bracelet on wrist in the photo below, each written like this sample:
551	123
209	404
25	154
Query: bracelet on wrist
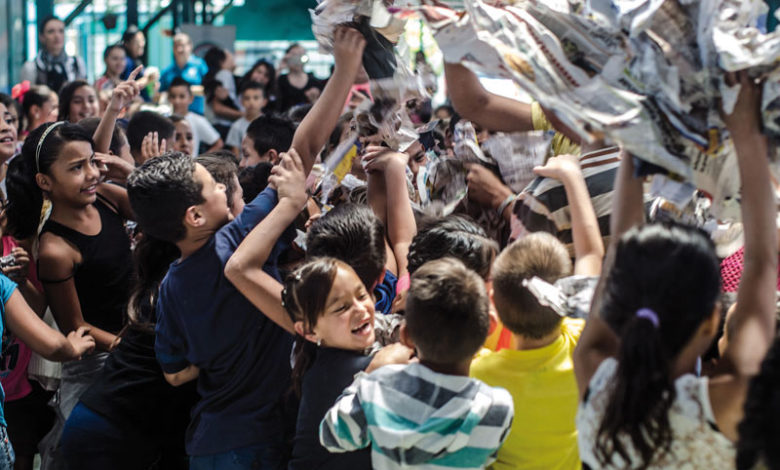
502	207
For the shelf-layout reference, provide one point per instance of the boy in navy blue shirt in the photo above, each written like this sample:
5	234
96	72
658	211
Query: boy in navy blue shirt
205	328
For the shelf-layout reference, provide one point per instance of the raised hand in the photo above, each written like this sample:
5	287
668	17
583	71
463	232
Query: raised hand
112	167
348	45
289	179
125	92
378	159
559	167
152	146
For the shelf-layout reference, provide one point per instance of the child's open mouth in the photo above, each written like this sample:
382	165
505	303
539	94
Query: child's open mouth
363	330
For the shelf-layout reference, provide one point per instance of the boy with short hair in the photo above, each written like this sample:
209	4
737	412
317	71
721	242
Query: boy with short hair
144	123
207	330
428	414
538	368
265	138
253	100
180	98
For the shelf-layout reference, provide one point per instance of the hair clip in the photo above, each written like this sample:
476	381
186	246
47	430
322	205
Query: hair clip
649	314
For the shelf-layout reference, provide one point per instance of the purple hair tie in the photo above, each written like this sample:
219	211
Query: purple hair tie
648	314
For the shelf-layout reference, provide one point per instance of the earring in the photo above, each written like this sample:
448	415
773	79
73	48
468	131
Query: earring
319	342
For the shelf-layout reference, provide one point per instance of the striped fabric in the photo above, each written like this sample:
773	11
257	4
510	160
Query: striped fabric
413	417
542	205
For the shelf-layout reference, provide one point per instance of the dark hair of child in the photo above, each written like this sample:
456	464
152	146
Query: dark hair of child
118	137
254	179
160	192
144	122
271	133
353	234
214	58
25	198
178	81
223	170
250	85
454	236
304	297
37	95
759	431
643	391
66	96
447	311
538	254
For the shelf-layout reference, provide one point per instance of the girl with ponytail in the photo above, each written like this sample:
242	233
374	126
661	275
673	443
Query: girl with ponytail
642	403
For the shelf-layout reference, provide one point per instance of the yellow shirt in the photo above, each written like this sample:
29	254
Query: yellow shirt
560	144
541	382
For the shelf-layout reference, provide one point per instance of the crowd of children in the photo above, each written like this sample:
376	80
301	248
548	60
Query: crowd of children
216	308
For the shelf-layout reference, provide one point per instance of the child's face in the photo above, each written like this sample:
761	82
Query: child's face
253	102
73	177
180	99
348	319
7	133
84	104
249	156
261	75
115	62
54	101
214	206
182	137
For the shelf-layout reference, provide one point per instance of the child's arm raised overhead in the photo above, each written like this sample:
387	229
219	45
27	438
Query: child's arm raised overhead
598	341
47	342
750	329
318	124
121	96
476	104
588	245
398	217
245	267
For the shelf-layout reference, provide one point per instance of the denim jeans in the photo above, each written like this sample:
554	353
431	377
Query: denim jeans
261	457
7	456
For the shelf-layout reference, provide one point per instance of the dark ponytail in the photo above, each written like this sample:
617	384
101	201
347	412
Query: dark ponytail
670	273
152	258
304	297
25	197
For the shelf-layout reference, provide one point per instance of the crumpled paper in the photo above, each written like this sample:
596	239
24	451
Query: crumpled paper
648	74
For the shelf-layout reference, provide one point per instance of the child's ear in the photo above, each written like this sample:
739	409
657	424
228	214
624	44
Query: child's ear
272	155
298	326
307	335
193	217
43	181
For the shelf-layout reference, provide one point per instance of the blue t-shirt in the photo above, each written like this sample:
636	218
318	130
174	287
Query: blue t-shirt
193	72
384	293
242	355
7	288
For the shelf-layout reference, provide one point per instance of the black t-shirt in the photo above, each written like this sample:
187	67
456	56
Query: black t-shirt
290	96
132	391
333	370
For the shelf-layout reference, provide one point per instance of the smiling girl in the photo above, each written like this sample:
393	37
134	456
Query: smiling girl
78	101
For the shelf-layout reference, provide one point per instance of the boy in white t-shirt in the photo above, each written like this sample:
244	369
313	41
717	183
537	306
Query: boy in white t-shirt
180	98
253	100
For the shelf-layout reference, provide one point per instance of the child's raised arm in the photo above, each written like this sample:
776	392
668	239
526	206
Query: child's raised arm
245	267
588	245
397	216
121	96
751	327
598	341
476	104
318	124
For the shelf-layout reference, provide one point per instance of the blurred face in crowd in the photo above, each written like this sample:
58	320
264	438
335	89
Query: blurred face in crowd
137	45
261	75
253	101
8	122
84	104
53	37
182	49
249	156
237	203
180	99
115	62
230	61
182	137
417	159
295	58
55	107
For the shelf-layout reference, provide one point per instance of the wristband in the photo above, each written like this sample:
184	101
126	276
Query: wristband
502	207
403	283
